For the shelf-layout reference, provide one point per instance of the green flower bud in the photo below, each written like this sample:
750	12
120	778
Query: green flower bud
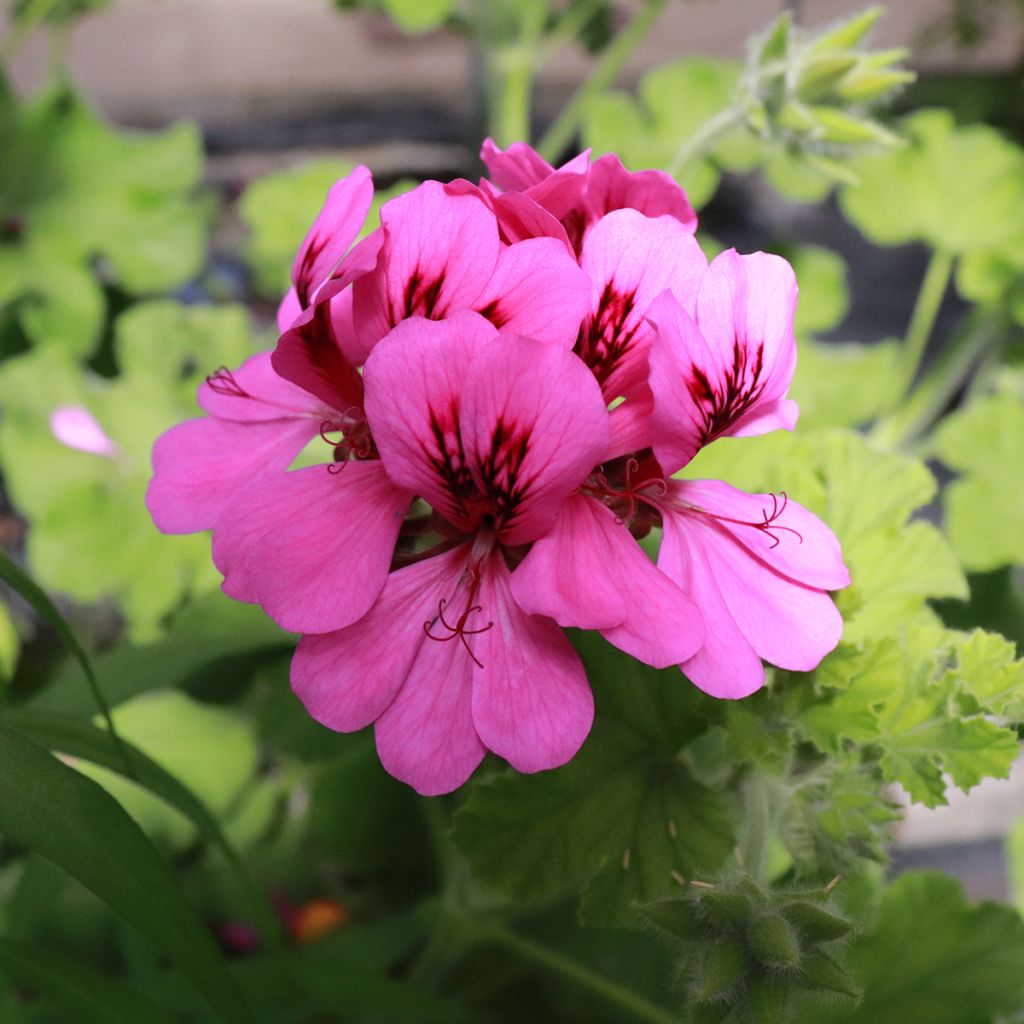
774	941
816	924
769	1003
724	967
821	971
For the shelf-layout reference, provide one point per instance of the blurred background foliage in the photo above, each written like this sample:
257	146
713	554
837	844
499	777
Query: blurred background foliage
226	858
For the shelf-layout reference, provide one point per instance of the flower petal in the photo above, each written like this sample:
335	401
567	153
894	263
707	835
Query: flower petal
652	193
439	252
533	425
726	665
347	679
200	465
587	571
414	380
256	392
537	290
531	700
631	259
333	231
780	532
789	624
312	546
426	737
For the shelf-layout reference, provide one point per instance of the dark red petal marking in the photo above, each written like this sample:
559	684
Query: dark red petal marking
304	281
322	354
741	386
419	298
606	337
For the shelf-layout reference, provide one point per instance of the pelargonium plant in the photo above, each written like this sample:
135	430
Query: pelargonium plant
497	389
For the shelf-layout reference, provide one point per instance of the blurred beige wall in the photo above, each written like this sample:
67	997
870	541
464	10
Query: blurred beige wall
145	61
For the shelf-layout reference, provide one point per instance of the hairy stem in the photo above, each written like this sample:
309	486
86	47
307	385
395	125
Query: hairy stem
608	68
982	333
704	138
922	320
640	1007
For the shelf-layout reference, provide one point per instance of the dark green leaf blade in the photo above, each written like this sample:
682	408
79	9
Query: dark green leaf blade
82	995
73	822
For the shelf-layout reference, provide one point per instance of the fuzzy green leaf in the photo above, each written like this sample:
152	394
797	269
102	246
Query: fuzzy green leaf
623	815
933	958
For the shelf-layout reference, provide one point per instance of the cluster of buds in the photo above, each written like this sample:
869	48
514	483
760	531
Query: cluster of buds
496	388
814	92
748	955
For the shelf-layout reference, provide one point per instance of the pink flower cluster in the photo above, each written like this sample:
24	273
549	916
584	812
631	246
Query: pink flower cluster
505	378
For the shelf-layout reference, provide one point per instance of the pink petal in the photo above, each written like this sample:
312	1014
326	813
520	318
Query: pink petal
200	465
790	625
726	665
537	290
531	700
631	259
320	352
652	193
438	254
256	393
533	426
76	427
414	380
288	311
426	737
312	546
587	571
796	544
348	678
333	231
516	168
520	218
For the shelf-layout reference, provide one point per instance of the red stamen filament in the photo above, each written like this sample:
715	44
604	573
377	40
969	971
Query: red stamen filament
768	525
459	630
634	492
222	382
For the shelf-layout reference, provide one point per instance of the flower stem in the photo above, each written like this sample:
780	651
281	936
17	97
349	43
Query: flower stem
639	1006
983	332
608	68
922	320
701	141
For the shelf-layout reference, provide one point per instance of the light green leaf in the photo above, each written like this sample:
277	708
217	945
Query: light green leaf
90	529
844	385
623	815
933	958
84	996
902	700
9	646
824	297
77	191
61	815
960	189
985	506
419	15
674	100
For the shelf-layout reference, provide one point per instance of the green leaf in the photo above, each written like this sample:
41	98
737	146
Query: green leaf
77	190
845	385
82	995
419	15
959	189
9	646
91	531
823	293
673	101
985	505
624	814
933	958
70	820
905	705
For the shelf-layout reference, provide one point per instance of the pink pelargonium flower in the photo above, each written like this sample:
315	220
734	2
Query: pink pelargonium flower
495	432
579	193
759	567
